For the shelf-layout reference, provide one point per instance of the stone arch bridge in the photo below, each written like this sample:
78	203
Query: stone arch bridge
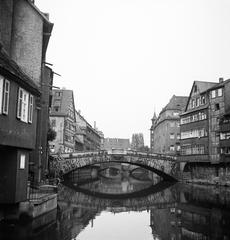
163	165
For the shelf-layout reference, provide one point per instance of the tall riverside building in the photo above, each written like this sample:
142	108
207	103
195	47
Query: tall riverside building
205	128
63	121
165	129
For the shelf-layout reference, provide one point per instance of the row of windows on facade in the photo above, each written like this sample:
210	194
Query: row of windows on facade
192	150
172	136
171	124
57	107
199	150
68	125
195	133
224	135
196	102
193	118
24	101
173	148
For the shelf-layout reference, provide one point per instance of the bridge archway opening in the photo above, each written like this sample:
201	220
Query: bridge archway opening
165	176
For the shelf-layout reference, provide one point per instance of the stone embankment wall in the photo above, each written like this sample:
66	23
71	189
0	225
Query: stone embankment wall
215	174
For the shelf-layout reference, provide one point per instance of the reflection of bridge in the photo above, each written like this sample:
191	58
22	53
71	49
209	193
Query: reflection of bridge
163	165
159	196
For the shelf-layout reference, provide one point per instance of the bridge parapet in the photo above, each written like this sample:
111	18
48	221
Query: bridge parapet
163	165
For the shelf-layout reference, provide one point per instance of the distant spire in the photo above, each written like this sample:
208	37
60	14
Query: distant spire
154	115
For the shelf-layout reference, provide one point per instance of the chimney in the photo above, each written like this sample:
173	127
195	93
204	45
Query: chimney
95	127
221	80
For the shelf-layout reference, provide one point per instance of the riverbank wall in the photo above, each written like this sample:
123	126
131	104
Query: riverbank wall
206	174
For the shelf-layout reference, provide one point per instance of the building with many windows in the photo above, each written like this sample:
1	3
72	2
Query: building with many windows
205	128
24	37
63	121
91	137
165	129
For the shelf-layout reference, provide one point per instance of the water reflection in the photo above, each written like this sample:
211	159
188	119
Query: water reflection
120	202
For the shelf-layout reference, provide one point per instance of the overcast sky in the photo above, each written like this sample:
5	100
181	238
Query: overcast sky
125	58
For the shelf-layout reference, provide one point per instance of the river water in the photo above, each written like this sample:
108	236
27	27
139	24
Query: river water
120	202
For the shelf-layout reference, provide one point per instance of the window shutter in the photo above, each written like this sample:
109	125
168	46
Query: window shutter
31	108
19	107
1	93
6	93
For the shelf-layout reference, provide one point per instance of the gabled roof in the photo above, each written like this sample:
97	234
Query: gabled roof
10	69
204	86
201	88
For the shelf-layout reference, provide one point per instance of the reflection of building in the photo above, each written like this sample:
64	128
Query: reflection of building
165	129
165	223
24	37
74	219
63	121
116	143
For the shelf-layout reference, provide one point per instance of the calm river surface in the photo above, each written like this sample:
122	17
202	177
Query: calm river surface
121	203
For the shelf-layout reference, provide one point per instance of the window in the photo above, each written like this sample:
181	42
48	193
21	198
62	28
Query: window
171	135
58	94
25	106
175	114
1	92
31	109
203	101
193	103
219	92
198	102
195	88
178	135
213	93
217	106
172	148
6	95
53	123
22	161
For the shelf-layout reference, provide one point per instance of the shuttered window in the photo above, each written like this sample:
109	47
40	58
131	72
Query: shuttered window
4	95
25	106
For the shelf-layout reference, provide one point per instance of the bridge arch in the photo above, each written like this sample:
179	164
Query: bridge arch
163	165
158	172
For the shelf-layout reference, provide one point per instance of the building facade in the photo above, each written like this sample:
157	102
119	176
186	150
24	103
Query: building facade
165	129
90	136
22	51
116	143
63	121
205	129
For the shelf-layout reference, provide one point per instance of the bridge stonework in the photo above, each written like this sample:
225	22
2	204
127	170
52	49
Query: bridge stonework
163	165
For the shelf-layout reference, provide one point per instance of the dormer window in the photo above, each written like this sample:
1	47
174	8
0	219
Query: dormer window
193	103
203	101
213	93
195	88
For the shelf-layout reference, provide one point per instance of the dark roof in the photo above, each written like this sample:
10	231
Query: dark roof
220	84
176	103
204	86
10	69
